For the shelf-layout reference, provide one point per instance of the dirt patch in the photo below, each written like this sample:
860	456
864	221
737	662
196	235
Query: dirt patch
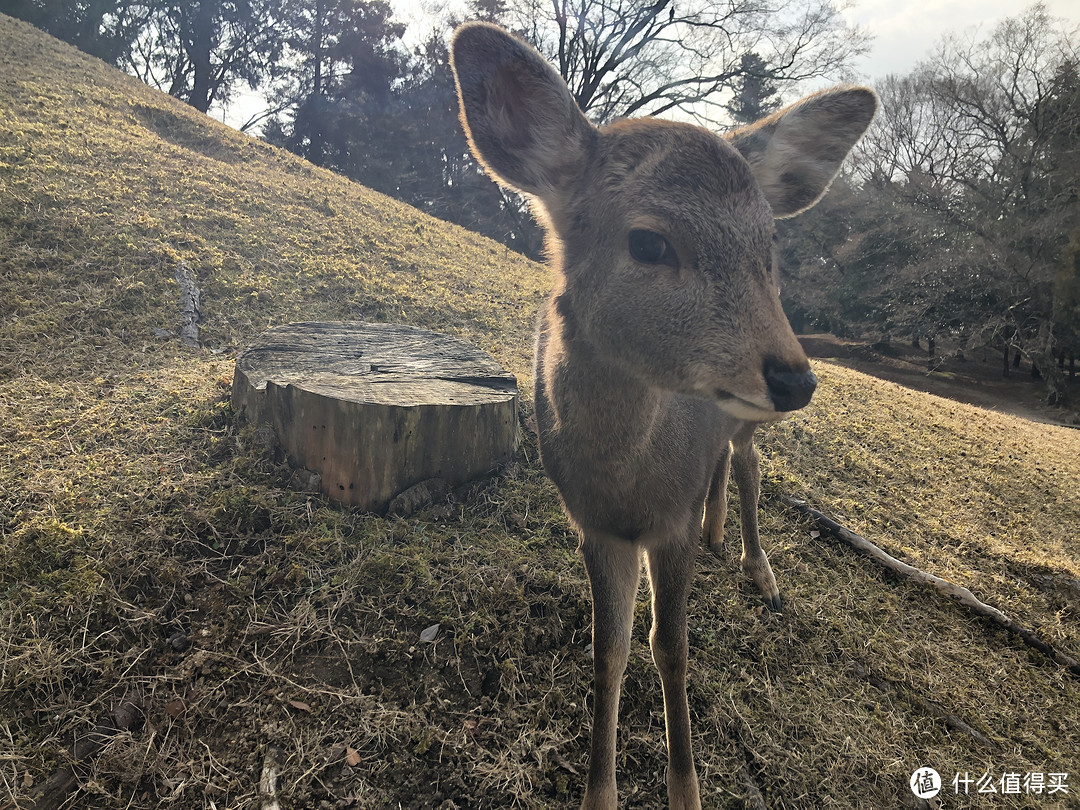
974	377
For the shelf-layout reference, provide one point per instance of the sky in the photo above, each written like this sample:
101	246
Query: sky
906	31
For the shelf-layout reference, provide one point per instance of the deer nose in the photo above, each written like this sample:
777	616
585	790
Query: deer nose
789	390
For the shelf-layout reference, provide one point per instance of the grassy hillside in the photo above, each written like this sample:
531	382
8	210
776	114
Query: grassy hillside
151	552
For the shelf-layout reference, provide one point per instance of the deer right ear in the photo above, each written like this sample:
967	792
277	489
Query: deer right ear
795	153
522	123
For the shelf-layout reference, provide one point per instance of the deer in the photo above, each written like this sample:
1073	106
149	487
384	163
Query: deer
663	344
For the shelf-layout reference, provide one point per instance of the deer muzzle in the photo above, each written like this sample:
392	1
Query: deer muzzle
789	388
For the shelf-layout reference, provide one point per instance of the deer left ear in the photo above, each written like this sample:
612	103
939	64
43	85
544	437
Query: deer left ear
795	153
521	120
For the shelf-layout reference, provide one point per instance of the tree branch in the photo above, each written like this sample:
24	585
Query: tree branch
950	589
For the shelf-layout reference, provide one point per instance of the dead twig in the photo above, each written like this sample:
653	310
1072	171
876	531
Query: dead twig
950	589
51	793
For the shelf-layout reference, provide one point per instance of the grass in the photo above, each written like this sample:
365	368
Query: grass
152	551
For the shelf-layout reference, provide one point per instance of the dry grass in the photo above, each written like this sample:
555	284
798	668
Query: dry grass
151	552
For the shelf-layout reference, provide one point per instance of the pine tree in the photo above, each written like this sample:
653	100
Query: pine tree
755	92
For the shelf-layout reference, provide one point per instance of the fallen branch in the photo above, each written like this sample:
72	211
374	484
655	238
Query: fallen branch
268	782
190	303
53	792
754	799
950	589
951	720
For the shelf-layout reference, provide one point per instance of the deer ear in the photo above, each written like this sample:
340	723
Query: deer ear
522	123
795	153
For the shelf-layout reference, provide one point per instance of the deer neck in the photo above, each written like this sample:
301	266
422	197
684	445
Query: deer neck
589	397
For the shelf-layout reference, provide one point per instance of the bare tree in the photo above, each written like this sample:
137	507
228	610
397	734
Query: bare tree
984	138
200	51
104	28
637	57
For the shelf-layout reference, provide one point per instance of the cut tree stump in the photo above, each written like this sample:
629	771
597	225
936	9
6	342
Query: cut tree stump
375	408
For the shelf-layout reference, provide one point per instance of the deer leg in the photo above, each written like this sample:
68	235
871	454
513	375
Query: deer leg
747	471
670	566
716	503
613	565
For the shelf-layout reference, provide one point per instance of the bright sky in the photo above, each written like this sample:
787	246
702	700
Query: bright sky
906	31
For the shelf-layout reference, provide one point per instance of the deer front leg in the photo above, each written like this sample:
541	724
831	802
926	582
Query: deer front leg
716	503
670	567
613	565
747	471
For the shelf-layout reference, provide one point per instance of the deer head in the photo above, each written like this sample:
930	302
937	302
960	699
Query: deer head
662	232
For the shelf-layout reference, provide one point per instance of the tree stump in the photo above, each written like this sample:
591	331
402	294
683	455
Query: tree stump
375	408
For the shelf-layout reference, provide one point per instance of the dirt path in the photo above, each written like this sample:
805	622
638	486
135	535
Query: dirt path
976	380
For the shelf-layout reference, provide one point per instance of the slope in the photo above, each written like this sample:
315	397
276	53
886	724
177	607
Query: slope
154	555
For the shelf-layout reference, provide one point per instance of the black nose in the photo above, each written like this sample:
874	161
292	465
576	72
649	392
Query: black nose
789	390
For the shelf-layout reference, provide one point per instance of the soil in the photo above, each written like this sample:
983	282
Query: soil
974	376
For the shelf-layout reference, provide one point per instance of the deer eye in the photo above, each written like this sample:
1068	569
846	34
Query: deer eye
649	247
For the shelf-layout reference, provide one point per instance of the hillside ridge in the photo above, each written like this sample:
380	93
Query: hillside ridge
114	141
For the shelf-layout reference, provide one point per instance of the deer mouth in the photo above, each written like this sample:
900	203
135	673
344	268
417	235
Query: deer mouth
744	409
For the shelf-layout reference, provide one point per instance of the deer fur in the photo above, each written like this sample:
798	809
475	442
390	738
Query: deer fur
663	344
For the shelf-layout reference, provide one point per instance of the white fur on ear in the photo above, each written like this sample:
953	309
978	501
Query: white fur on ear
521	121
795	153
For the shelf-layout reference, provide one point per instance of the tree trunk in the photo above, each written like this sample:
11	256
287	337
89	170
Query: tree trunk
1043	366
377	408
200	52
316	133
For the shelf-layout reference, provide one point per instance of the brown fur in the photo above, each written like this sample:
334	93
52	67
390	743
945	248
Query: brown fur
652	376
